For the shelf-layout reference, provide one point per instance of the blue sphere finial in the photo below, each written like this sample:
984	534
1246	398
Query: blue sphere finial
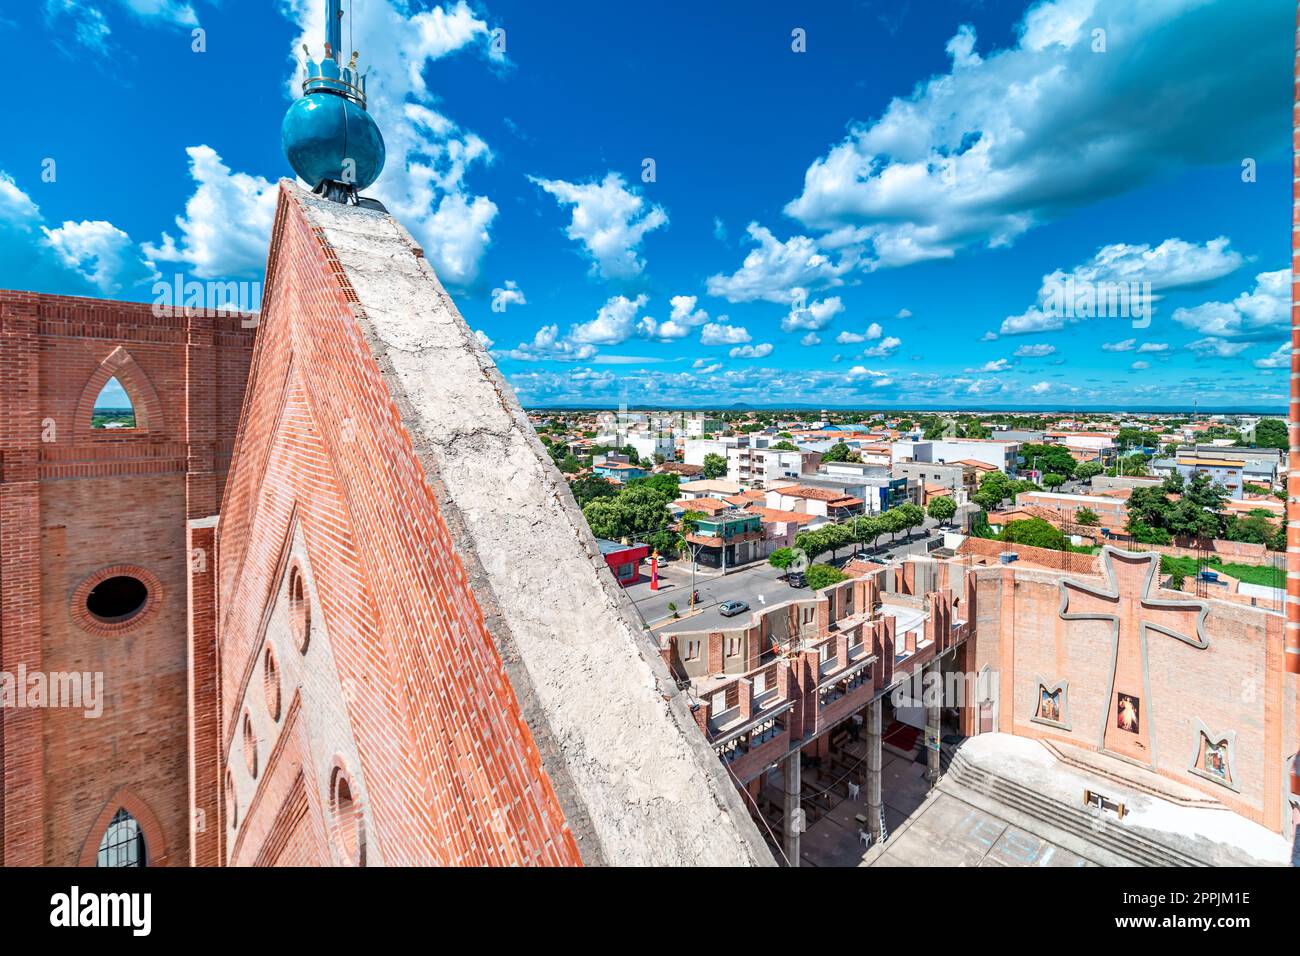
330	140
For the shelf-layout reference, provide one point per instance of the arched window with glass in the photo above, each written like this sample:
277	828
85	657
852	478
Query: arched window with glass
123	842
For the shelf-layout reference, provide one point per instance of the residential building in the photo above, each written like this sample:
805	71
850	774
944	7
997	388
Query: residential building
728	539
759	467
1002	455
707	488
826	502
650	445
1112	513
620	472
961	480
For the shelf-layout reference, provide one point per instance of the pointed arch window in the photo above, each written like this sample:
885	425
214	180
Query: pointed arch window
113	408
123	842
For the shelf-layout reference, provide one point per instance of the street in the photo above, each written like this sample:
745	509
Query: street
759	584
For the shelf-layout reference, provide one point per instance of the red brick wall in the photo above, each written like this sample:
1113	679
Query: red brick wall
447	769
75	501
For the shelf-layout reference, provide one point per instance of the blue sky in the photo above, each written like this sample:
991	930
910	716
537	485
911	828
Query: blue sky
873	221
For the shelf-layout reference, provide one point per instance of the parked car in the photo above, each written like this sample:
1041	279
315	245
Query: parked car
732	608
796	579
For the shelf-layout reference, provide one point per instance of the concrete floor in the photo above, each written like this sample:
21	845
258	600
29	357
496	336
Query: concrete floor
925	831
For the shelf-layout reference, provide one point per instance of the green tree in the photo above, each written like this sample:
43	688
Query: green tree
666	484
1036	533
784	446
590	487
823	576
691	521
569	465
635	511
1049	458
993	488
1086	516
1088	470
1271	433
715	466
1053	480
781	558
942	508
837	452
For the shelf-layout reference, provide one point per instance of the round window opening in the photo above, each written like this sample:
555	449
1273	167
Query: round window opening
349	828
117	599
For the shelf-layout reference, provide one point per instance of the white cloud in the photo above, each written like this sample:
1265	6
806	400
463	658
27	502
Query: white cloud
989	337
483	338
974	156
1153	347
1139	366
1034	351
615	322
1279	358
1126	345
752	351
16	207
547	344
708	369
812	338
773	270
1124	268
1040	388
817	315
89	26
904	314
719	333
1218	348
226	224
507	295
1267	306
996	365
428	155
101	252
609	221
887	347
850	338
168	11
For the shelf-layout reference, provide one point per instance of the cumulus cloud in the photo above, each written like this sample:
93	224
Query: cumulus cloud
1034	351
483	338
1171	265
226	224
1261	310
996	365
101	252
887	347
683	318
1040	388
721	333
507	295
1279	358
773	270
751	351
609	221
1126	345
812	338
1218	348
813	317
91	256
974	156
614	324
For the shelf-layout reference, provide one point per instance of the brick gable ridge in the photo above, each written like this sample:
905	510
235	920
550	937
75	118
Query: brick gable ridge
503	502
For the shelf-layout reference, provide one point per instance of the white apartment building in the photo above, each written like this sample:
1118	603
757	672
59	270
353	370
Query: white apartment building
1002	455
759	467
648	445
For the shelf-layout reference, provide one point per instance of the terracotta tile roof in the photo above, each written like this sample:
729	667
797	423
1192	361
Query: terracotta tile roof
818	494
709	506
978	465
776	514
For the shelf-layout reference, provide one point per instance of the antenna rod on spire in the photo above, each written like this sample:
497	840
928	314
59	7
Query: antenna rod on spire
334	27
